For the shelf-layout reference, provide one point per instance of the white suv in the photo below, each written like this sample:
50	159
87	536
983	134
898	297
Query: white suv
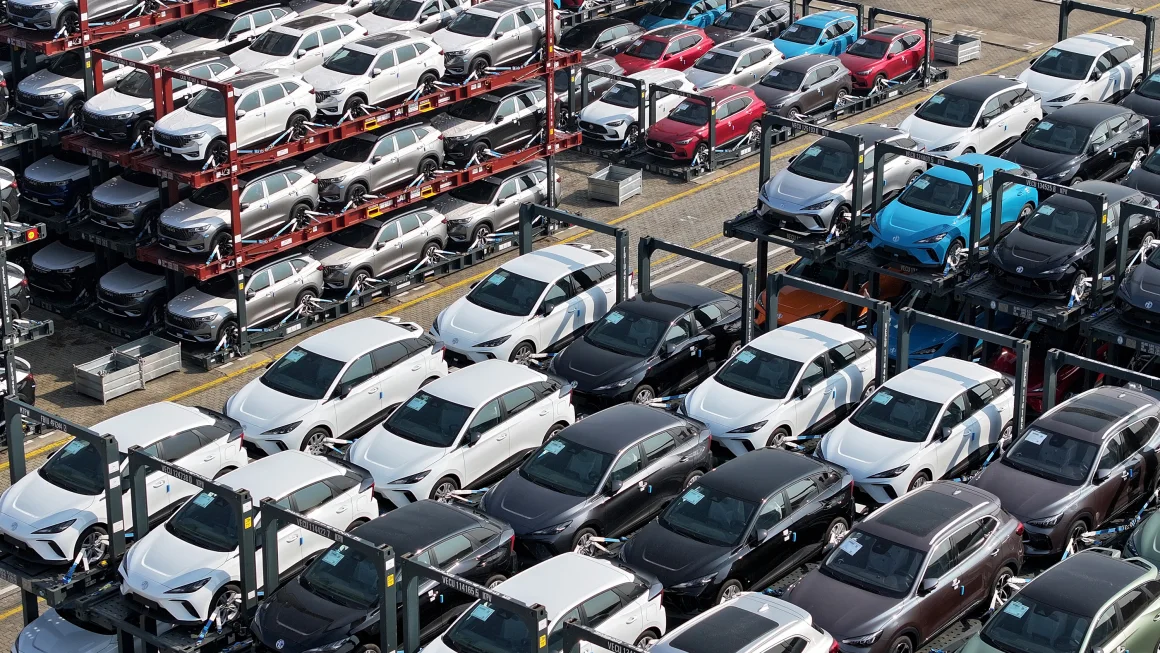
529	304
268	103
375	69
792	381
769	624
927	423
613	118
189	566
59	511
335	383
977	114
463	430
300	44
1086	67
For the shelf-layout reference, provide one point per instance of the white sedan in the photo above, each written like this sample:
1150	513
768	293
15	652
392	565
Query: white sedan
791	381
978	114
1097	67
930	422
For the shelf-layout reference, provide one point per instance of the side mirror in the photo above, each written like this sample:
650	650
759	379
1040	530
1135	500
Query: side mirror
1102	474
239	113
302	53
890	55
376	159
1096	75
250	294
243	206
376	72
668	55
803	390
232	36
823	41
380	245
762	535
547	307
944	434
790	160
499	119
613	487
927	586
473	437
499	34
984	121
1031	62
344	391
805	87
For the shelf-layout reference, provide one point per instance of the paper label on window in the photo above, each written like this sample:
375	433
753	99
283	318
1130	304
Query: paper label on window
1015	609
860	42
74	446
792	28
554	447
1044	126
615	317
746	356
495	280
416	403
921	183
204	499
1036	437
482	611
774	73
813	151
694	496
882	398
938	99
1047	210
850	546
295	355
334	556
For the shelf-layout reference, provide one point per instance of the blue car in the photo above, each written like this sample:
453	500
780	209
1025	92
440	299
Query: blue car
928	342
829	32
929	224
698	13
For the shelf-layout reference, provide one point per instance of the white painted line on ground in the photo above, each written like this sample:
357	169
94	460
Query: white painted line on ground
686	268
717	277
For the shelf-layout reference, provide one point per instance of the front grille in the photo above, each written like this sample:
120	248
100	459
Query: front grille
40	187
863	498
111	210
180	233
98	121
898	255
1024	285
531	550
456	359
150	606
660	146
23	10
182	321
115	297
32	100
591	127
171	140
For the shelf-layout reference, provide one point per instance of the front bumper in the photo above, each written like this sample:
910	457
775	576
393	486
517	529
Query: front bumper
124	305
467	355
460	232
185	239
924	255
882	490
191	329
813	222
38	19
1039	541
114	217
588	402
107	128
58	283
56	548
190	608
456	65
671	150
180	146
599	132
1054	287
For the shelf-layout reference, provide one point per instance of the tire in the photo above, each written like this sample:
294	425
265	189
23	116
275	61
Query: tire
218	150
521	351
223	242
1025	212
842	97
643	394
1030	125
297	125
647	639
229	328
478	66
779	436
477	150
999	590
428	166
313	442
556	428
494	580
701	153
902	644
1007	434
734	348
920	479
834	533
360	275
427	82
70	20
755	132
1076	180
353	105
428	380
143	130
969	150
914	177
368	648
879	84
693	477
222	596
632	134
955	248
444	487
90	538
355	524
868	390
582	536
356	194
298	215
430	252
479	236
1138	157
729	589
795	113
222	472
302	298
1077	528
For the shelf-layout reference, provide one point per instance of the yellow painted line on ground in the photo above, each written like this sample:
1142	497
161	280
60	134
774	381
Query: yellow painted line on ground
15	611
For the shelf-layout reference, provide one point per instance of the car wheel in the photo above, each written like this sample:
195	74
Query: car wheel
632	134
428	166
522	351
368	648
428	380
1075	181
356	195
734	348
643	394
583	538
298	216
479	236
834	534
693	477
494	581
778	438
901	644
730	590
70	21
229	331
359	278
304	300
356	523
755	132
1074	533
795	113
1137	158
1030	125
1006	435
920	479
354	106
701	153
1136	82
222	472
969	150
914	177
1000	591
94	542
143	130
315	442
219	151
842	97
479	150
956	254
647	639
552	432
879	85
430	253
226	603
444	489
297	126
1025	212
223	243
868	390
1080	287
479	66
427	83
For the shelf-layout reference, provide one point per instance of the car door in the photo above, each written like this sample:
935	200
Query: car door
1139	609
412	238
938	605
810	394
386	254
973	568
279	201
953	436
766	547
528	418
1101	152
507	203
391	377
527	114
986	419
286	286
507	125
1136	436
260	302
385	166
405	159
847	377
277	109
814	95
289	540
384	84
404	75
623	503
990	125
488	441
610	614
1121	145
252	126
317	501
557	312
667	468
529	32
506	37
679	357
600	296
358	395
240	34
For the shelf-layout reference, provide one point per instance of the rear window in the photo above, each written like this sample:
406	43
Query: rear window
729	629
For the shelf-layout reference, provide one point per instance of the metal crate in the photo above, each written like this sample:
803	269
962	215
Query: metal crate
958	48
615	184
128	368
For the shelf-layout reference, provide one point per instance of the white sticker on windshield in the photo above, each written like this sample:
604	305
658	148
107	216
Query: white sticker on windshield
774	73
74	446
416	403
204	499
850	546
938	99
813	151
1047	210
921	183
295	355
333	556
495	279
615	317
1036	437
482	611
882	398
746	356
860	42
694	496
554	447
1015	609
1043	126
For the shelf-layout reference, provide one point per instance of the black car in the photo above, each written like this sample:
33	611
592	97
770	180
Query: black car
502	119
606	36
1087	140
334	598
64	271
1138	295
743	525
1146	176
601	476
1053	250
1145	100
655	344
761	18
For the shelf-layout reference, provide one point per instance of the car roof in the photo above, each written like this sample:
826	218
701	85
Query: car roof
727	92
581	575
183	59
415	526
145	425
754	6
553	262
739	625
669	301
981	87
740	44
499	6
242	9
871	133
278	475
497	95
1101	576
613	429
246	80
760	473
804	340
919	517
821	19
1093	44
670	31
380	40
286	166
657	75
1114	192
805	62
346	341
599	24
1087	114
891	31
940	379
303	23
1088	416
989	164
472	385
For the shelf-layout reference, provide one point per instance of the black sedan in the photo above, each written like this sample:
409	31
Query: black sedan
601	476
604	36
743	525
1088	140
335	598
761	18
1138	296
657	343
1051	253
1146	176
1145	100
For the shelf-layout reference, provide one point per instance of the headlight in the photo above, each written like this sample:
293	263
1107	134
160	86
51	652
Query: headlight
1059	270
494	342
409	480
685	142
331	180
456	53
336	268
933	239
333	646
56	94
752	428
926	351
55	528
202	228
459	221
553	530
864	72
189	588
946	148
618	384
67	270
700	582
818	206
1063	98
1046	522
864	640
331	93
122	116
283	430
614	123
138	295
890	473
132	205
196	135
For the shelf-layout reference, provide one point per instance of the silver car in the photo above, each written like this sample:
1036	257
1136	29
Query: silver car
54	15
129	203
490	34
207	312
269	200
490	205
376	248
818	183
742	61
424	15
228	29
350	168
134	290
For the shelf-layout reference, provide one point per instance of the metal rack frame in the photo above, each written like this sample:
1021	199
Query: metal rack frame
603	148
1056	359
530	214
1066	7
574	634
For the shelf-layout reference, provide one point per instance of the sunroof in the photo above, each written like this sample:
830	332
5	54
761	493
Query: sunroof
728	630
922	512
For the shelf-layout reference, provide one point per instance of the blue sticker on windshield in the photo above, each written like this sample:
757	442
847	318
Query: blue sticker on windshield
746	356
882	398
813	151
74	446
482	611
1036	437
850	546
694	496
774	73
334	556
921	183
496	279
615	317
416	403
554	447
1015	609
295	355
1047	210
204	499
938	99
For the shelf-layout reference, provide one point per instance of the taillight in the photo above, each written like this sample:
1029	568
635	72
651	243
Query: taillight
1019	528
14	184
321	266
372	488
834	646
512	544
440	136
24	282
314	181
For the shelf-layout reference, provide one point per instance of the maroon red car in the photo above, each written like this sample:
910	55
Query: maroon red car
676	47
685	132
885	53
1069	381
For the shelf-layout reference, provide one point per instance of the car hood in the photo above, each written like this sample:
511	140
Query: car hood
38	503
899	218
453	42
1141	287
118	191
325	167
1146	537
724	409
50	169
1048	87
43	81
865	453
1021	250
704	79
376	24
671	557
799	303
791	49
184	121
632	64
249	61
669	130
789	191
1041	162
51	633
187	212
1144	106
1143	180
58	256
126	279
111	102
603	112
855	63
863	612
183	42
195	303
389	457
474	323
324	79
774	97
453	208
922	336
1024	495
453	127
296	616
164	559
328	252
590	366
528	507
932	134
722	34
264	408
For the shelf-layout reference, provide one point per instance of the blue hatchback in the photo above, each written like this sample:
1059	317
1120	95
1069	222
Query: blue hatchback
828	32
698	13
928	342
928	225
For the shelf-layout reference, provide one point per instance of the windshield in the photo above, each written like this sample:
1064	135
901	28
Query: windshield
350	62
823	273
709	515
140	178
476	109
208	26
621	95
783	80
69	64
1058	137
508	293
1064	64
208	103
344	576
399	9
76	468
874	564
1151	87
223	286
869	48
361	235
212	197
798	33
897	416
206	521
1019	628
674	10
735	20
479	192
626	333
716	62
759	373
567	467
428	420
936	195
579	37
350	149
1067	225
1052	456
825	161
948	109
470	24
650	49
138	84
487	628
275	43
1152	163
302	373
691	112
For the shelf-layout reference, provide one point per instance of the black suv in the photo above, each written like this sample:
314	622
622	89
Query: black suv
506	118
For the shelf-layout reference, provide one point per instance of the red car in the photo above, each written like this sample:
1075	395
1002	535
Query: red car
676	47
882	54
685	132
1069	381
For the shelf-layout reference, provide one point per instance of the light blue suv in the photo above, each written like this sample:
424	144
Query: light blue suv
828	32
698	13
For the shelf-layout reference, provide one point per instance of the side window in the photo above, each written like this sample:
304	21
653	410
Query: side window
1107	624
389	232
842	355
273	93
1117	123
1105	62
738	105
275	184
310	42
799	492
518	400
815	372
707	315
311	496
507	108
969	538
942	559
385	146
813	77
250	102
359	371
506	24
259	282
556	637
388	356
346	29
587	278
991	108
340	484
450	551
386	60
430	10
290	87
1114	452
1132	604
601	607
772	512
421	47
216	70
910	40
279	12
1008	99
282	271
331	34
681	331
262	18
791	645
980	396
240	25
628	464
406	53
956	411
896	47
179	445
253	193
409	223
526	17
509	188
487	418
656	446
999	386
299	265
560	292
1136	435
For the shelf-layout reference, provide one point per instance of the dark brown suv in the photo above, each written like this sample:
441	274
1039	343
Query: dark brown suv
912	569
1081	464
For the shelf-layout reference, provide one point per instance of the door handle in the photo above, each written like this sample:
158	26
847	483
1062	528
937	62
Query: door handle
340	509
501	438
290	539
372	391
692	349
208	458
684	459
630	619
995	553
416	368
159	483
543	412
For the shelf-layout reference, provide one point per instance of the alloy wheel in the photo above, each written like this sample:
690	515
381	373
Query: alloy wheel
443	491
837	531
94	546
316	445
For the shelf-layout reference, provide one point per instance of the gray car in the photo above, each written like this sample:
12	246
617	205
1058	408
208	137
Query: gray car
9	195
206	313
127	204
228	29
490	205
376	248
743	61
55	15
805	84
269	200
350	168
490	34
758	18
818	183
134	290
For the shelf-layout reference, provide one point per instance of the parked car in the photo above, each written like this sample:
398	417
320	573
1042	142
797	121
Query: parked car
763	19
426	16
795	304
270	198
827	32
337	383
339	589
227	29
684	134
762	622
601	477
743	61
1144	540
350	168
492	204
929	342
653	345
885	54
615	116
133	290
600	594
1146	176
128	203
18	302
530	304
675	47
1100	67
205	314
64	271
59	513
569	82
9	195
59	182
930	222
330	7
1070	378
1090	140
300	44
268	104
376	248
804	85
977	114
1051	253
1079	466
124	112
601	36
1144	100
697	13
375	70
189	568
507	118
1136	296
63	15
57	629
743	525
492	33
909	570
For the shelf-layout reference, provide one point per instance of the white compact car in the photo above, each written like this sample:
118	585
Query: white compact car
529	304
770	625
189	566
336	383
375	69
977	114
227	29
742	61
1086	67
315	7
423	15
794	380
599	594
615	116
463	430
927	423
59	511
299	44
